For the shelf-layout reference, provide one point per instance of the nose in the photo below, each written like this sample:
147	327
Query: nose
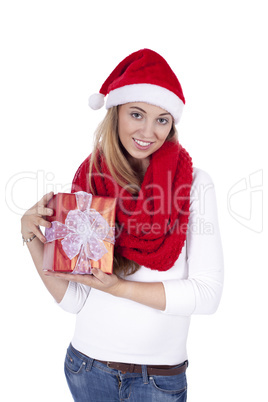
148	129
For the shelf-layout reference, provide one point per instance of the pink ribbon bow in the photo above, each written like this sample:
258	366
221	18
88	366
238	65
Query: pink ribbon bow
83	233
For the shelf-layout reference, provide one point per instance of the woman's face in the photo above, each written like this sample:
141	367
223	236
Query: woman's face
143	128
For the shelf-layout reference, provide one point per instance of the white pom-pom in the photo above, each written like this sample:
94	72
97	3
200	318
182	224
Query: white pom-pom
96	101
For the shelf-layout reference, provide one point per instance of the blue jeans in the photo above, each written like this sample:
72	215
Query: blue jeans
90	380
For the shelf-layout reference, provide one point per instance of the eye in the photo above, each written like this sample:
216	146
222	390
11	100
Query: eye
136	115
162	121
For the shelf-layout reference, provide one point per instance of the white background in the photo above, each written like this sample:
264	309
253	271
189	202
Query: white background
54	54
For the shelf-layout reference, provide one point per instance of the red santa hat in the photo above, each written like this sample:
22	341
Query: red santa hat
143	76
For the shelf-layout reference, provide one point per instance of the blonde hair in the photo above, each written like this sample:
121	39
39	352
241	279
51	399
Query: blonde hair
107	142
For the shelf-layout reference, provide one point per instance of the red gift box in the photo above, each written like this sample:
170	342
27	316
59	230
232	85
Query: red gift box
82	229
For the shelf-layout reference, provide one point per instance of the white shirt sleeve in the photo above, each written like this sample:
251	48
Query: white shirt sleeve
74	297
200	293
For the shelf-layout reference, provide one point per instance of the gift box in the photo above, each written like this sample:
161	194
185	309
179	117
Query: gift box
81	235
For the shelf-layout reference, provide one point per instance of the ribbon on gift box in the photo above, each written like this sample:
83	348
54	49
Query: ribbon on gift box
83	233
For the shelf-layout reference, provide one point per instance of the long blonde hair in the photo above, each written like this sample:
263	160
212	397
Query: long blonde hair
107	142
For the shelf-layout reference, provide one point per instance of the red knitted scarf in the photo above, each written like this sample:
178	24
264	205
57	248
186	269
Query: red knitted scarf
150	227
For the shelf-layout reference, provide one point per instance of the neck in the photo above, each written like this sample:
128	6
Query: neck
139	165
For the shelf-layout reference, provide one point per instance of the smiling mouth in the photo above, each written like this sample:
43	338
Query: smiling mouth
142	143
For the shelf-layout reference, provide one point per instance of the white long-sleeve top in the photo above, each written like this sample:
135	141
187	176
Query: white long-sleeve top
115	329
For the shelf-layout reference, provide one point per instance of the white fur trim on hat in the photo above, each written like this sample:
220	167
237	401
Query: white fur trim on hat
148	93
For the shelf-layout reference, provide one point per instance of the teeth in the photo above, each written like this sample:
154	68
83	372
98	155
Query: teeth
142	143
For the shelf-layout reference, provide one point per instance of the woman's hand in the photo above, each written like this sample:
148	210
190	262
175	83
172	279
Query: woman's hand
151	294
98	280
35	217
30	225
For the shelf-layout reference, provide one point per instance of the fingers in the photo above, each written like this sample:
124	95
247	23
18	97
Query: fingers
43	222
46	198
58	274
35	217
39	234
44	211
30	224
85	279
42	205
36	220
100	275
34	227
99	280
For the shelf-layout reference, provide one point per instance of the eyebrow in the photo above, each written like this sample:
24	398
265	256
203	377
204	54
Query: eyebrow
139	108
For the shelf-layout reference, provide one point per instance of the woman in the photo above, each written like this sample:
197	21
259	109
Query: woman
132	326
